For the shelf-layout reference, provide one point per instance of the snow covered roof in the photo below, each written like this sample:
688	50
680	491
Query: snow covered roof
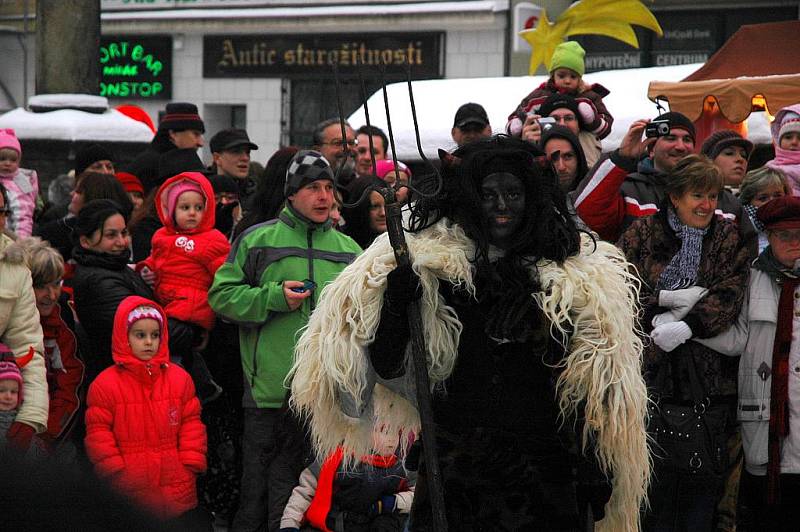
73	125
52	102
346	10
437	101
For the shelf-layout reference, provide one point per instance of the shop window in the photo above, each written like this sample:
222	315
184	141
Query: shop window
239	116
314	100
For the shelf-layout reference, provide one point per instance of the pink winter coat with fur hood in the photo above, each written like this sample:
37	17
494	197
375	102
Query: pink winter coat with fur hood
143	428
786	161
185	261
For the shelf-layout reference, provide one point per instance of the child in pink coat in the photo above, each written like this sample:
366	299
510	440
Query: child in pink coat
21	184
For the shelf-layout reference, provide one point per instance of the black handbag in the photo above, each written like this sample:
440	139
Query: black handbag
691	438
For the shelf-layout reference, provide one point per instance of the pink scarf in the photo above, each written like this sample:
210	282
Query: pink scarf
788	162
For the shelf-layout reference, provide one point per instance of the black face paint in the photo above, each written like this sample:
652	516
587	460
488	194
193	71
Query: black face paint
502	206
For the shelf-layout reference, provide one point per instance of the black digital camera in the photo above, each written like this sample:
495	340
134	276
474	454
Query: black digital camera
657	128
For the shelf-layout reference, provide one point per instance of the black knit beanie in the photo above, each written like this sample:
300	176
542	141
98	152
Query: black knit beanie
676	119
179	116
89	155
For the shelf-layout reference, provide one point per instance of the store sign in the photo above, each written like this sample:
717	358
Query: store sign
312	56
136	67
613	61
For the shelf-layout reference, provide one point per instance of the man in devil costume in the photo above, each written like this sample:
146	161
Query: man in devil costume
532	351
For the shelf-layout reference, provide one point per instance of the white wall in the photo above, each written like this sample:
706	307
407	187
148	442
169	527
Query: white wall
473	53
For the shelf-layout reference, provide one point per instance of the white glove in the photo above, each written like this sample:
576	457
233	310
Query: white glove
671	335
665	317
681	300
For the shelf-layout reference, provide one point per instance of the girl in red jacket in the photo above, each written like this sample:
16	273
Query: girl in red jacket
143	428
187	251
185	255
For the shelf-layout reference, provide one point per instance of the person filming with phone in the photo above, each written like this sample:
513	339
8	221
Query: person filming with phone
631	182
269	286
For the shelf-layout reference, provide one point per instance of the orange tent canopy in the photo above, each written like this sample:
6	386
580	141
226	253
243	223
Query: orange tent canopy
755	68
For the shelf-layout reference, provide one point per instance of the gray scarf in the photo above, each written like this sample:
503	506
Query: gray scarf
681	272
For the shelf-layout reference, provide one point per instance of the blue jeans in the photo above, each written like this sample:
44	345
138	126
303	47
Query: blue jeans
257	444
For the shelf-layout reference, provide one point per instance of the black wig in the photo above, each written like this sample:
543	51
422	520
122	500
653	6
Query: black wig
548	231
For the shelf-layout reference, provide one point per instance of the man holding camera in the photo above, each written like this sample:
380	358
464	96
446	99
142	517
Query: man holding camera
627	185
562	109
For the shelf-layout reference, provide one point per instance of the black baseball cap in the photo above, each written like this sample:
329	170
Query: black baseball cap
227	139
471	113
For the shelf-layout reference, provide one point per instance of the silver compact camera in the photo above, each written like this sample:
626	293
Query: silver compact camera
657	128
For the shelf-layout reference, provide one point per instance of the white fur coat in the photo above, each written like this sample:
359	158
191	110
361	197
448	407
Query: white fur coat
592	294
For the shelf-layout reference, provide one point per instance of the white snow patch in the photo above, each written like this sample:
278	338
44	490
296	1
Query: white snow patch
437	101
73	125
60	101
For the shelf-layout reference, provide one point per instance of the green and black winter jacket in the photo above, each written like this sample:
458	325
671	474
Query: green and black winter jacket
248	290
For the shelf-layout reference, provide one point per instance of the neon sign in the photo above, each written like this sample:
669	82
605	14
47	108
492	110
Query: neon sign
136	67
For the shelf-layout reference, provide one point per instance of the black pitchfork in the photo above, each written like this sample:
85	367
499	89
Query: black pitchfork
394	226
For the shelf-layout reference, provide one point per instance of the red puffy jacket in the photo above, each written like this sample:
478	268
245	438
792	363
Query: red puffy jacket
143	428
185	262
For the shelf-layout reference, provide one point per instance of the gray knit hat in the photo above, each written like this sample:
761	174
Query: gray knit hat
306	166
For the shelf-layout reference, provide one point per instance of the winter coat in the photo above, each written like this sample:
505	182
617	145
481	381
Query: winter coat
100	284
649	244
248	290
786	161
143	428
619	190
185	261
64	375
37	450
600	127
23	190
753	337
21	332
590	293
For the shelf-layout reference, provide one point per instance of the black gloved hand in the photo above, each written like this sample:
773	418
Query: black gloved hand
402	287
223	216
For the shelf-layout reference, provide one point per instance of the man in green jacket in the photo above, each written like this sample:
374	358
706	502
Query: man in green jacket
269	286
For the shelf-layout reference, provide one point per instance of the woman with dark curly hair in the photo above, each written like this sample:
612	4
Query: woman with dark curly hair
533	359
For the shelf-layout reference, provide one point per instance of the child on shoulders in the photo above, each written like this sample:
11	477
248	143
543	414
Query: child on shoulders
566	77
